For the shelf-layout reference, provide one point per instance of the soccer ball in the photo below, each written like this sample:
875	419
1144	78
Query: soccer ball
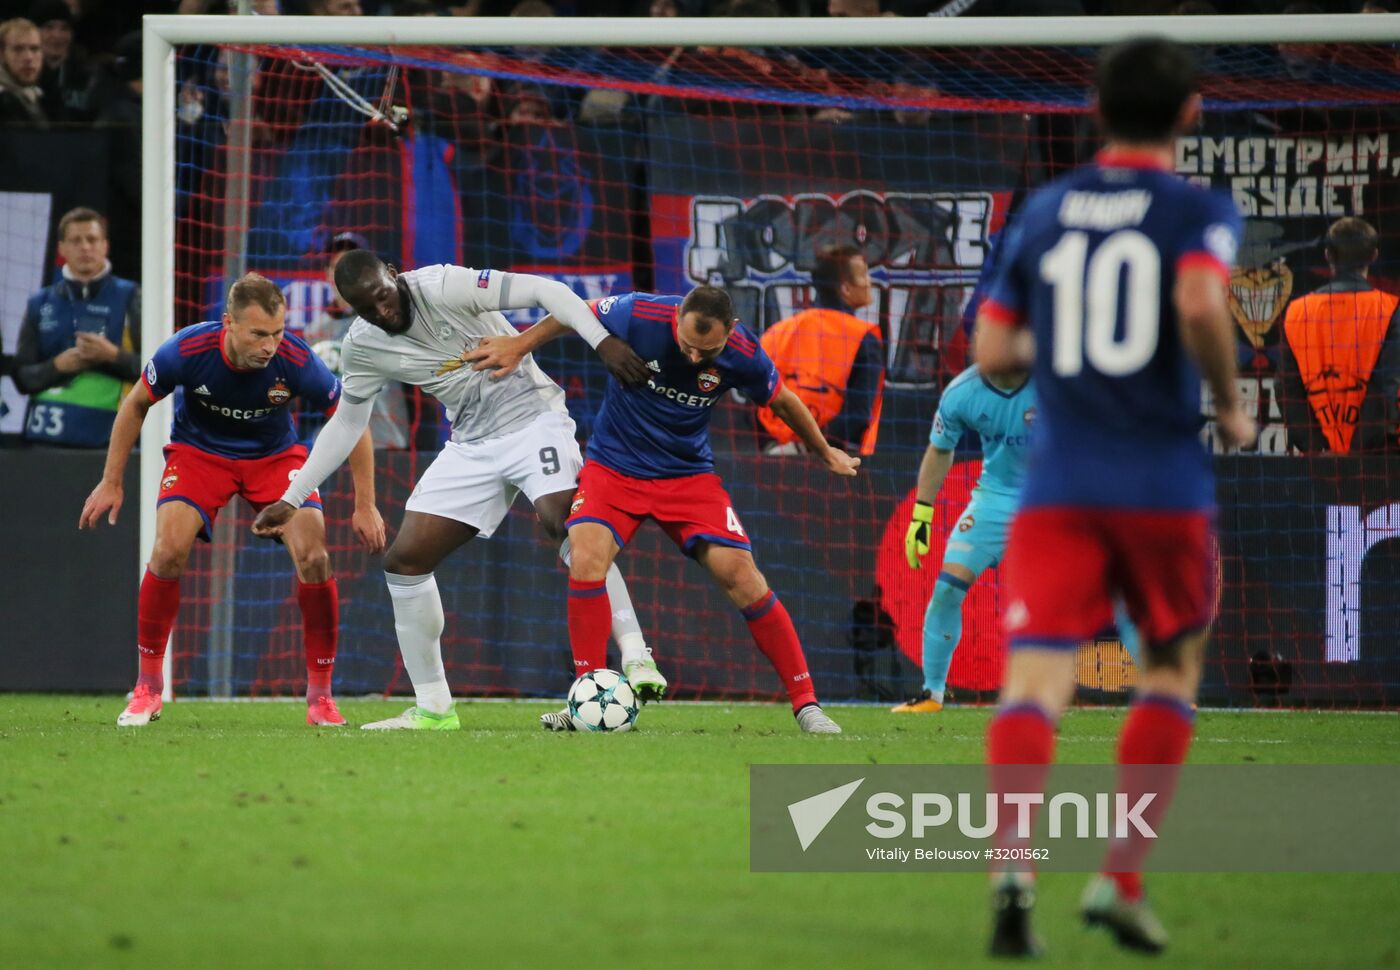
329	352
602	700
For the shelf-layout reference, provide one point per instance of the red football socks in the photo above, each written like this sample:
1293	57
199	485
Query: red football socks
590	623
1157	732
320	624
1019	735
775	635
156	607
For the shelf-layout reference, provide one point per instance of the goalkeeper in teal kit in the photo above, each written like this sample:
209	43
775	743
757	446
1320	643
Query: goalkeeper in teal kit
1001	411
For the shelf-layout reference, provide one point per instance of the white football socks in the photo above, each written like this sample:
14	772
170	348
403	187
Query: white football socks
418	621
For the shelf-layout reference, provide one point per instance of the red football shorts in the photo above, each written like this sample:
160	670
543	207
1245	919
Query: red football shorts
208	481
690	509
1064	568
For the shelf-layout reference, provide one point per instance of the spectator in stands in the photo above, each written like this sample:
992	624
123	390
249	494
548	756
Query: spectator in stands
79	342
65	78
121	119
21	63
263	8
99	25
389	421
335	8
1304	61
832	360
524	103
1340	359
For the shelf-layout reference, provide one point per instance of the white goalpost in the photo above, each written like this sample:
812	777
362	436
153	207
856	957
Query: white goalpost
162	33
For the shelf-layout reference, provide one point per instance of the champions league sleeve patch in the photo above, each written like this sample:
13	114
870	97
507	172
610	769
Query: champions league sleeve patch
483	279
1220	240
151	372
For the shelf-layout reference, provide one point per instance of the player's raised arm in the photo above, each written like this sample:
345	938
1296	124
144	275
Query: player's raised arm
789	407
517	291
126	429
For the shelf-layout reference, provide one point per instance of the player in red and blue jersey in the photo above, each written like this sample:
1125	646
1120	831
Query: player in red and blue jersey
1112	284
233	434
650	458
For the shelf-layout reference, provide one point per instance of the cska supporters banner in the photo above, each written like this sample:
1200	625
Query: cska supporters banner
1291	175
747	203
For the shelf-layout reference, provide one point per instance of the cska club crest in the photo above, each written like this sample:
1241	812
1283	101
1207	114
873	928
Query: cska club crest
278	394
709	380
578	503
168	482
1029	416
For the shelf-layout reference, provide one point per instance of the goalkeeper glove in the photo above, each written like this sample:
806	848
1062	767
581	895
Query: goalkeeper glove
916	539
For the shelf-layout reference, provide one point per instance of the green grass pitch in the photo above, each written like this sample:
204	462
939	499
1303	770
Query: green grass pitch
233	835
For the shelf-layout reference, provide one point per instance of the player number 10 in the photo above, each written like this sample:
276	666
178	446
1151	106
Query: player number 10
1086	304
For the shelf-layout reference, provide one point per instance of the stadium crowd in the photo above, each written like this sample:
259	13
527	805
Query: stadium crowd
76	65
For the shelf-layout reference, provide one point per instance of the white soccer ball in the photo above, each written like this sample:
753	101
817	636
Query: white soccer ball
602	700
329	352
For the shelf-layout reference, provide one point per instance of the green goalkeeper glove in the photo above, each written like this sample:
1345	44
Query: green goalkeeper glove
916	539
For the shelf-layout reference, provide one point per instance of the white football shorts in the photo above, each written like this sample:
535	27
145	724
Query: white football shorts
475	483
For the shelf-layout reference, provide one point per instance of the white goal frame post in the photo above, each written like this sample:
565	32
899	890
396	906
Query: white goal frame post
162	32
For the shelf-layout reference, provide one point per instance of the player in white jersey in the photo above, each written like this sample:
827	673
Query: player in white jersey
508	436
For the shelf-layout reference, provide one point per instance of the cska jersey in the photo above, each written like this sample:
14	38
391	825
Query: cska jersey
1002	419
661	429
1090	267
236	413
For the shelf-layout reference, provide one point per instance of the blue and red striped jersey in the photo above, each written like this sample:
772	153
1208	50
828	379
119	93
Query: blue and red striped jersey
230	412
1090	265
661	429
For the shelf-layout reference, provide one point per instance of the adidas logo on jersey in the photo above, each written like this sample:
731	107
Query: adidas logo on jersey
201	389
654	366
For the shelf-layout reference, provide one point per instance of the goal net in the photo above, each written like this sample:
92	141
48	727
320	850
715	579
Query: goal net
659	167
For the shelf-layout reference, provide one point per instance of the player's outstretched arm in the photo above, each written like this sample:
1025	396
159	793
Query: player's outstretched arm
567	308
366	520
933	469
1207	332
502	355
789	407
126	429
333	445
